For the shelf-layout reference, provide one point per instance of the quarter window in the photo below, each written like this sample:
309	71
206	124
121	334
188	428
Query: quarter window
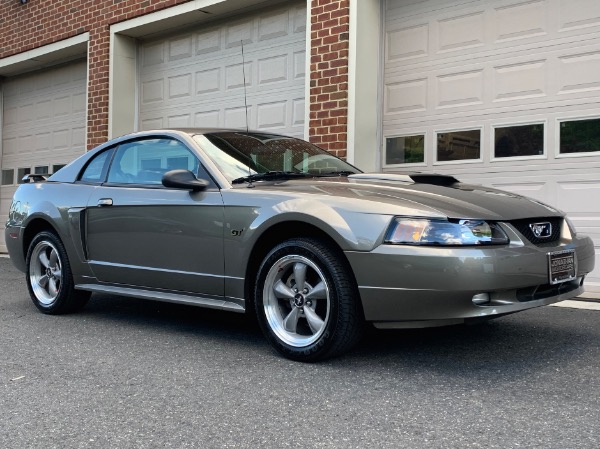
405	149
458	145
516	141
580	136
95	168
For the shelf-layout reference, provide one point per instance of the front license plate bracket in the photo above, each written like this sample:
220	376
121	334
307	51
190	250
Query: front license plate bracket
562	266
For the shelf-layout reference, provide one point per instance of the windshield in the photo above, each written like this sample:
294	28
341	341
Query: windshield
240	154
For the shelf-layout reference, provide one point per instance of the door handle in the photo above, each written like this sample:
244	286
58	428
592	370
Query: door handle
102	202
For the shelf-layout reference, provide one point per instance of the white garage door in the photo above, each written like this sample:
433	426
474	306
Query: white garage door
43	125
502	93
195	79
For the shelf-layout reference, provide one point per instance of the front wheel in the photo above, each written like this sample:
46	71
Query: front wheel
307	302
49	277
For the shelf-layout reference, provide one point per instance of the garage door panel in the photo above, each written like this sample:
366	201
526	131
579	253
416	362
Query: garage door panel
277	71
237	32
199	78
520	21
152	91
460	32
561	77
180	48
535	190
225	40
464	88
208	81
577	14
580	72
208	119
43	122
152	123
275	114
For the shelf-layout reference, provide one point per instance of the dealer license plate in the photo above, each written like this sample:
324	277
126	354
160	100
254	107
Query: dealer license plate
561	266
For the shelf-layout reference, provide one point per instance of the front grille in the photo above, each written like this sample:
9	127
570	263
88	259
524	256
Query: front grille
547	290
523	227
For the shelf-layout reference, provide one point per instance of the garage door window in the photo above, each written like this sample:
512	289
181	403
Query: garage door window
580	136
405	149
519	141
21	173
8	177
459	145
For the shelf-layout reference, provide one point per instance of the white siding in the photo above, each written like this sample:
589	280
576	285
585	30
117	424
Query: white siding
195	79
456	65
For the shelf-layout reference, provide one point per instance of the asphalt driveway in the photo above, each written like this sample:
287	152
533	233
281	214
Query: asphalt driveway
128	373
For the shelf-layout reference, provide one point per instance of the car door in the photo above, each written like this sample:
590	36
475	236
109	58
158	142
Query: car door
139	233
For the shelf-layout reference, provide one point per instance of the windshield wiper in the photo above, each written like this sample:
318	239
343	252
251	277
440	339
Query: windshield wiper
271	175
337	173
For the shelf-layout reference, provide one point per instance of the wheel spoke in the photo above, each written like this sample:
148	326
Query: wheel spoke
300	275
318	292
314	321
52	288
290	323
43	281
57	273
53	259
282	291
44	259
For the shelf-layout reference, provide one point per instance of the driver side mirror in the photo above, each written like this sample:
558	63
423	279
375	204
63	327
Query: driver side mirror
183	179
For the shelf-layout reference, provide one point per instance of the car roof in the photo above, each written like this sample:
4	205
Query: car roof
71	171
194	131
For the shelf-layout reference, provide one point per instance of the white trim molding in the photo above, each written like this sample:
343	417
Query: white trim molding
364	143
45	56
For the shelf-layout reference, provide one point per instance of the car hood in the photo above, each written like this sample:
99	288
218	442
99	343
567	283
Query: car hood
433	196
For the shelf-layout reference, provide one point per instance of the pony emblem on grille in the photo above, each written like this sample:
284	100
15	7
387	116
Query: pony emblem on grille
541	230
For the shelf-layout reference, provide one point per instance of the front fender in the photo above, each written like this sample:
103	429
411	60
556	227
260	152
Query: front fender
245	225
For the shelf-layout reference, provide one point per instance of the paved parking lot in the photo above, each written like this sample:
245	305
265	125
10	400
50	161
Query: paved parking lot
127	373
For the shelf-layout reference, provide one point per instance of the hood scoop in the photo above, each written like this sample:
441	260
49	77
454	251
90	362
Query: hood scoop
414	177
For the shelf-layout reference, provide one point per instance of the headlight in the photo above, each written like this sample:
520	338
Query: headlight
423	231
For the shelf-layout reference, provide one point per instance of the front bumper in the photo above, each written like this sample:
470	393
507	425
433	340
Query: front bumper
410	286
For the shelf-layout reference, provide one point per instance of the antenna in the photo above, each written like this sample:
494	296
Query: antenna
244	74
250	185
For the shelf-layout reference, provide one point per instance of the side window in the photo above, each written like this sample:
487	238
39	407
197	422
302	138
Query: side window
145	161
95	170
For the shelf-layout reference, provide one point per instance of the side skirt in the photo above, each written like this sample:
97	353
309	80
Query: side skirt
231	304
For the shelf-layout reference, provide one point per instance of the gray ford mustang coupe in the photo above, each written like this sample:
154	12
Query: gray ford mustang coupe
274	226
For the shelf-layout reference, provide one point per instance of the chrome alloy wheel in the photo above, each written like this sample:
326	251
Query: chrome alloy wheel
45	272
296	300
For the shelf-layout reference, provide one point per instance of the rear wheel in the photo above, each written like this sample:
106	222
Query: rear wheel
307	302
49	277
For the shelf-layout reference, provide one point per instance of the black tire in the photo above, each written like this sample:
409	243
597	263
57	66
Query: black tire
49	277
326	286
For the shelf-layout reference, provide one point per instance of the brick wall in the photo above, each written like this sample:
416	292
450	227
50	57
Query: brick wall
329	74
41	22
